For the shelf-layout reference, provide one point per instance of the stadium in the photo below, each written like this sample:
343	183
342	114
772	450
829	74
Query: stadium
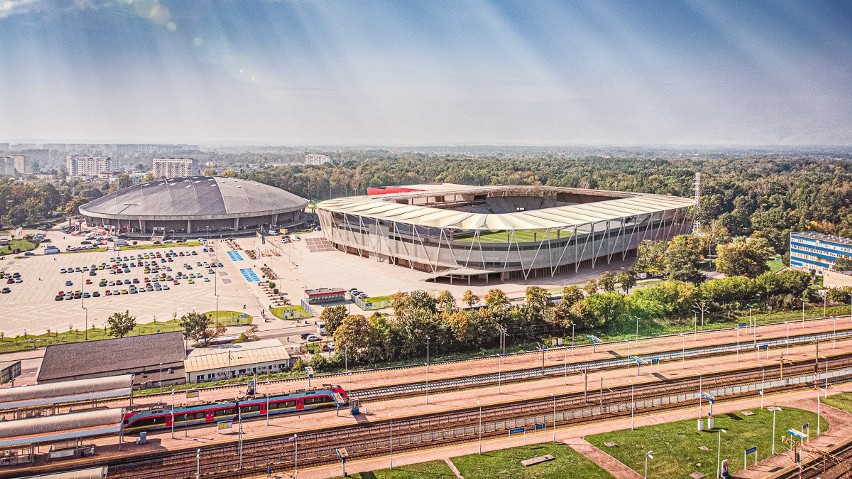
194	206
487	233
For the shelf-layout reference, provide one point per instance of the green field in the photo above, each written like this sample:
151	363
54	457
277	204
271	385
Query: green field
229	318
775	265
19	244
840	401
298	312
677	445
423	470
501	464
96	332
517	236
159	246
567	463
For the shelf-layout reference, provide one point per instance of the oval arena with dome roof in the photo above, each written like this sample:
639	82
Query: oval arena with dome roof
489	233
195	206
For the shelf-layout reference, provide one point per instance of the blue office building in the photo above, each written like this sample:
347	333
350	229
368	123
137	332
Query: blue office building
817	252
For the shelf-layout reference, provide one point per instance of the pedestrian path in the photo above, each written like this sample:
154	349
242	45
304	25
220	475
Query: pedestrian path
602	459
453	468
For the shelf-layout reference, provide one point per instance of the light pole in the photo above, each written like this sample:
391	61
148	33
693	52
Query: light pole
572	334
648	455
719	453
637	332
86	332
161	375
787	342
695	326
390	442
738	343
480	426
427	369
296	456
554	416
774	410
198	463
173	413
683	351
632	406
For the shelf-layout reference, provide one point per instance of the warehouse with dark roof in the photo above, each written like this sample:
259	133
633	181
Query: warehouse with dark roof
152	359
194	206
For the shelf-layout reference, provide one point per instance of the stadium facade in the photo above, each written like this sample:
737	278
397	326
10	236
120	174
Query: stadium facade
487	233
194	206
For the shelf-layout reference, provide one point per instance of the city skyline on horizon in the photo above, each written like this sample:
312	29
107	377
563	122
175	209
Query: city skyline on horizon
583	74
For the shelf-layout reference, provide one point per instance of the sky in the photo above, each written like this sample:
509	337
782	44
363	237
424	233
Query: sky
409	72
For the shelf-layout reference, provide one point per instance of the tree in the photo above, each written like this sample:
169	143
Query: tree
843	264
196	326
600	310
496	298
627	280
591	287
651	257
121	324
538	299
353	336
149	177
469	298
607	281
332	316
571	294
682	258
446	303
741	259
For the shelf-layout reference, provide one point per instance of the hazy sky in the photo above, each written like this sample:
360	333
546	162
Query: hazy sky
417	72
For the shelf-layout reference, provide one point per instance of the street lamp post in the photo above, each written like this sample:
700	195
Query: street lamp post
480	426
719	453
296	456
648	455
390	442
427	369
637	332
198	463
787	342
774	410
554	416
173	413
632	407
738	343
683	351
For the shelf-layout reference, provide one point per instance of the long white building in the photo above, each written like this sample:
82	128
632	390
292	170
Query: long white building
79	165
174	167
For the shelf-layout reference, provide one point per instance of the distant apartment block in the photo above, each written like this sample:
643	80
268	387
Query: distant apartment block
316	159
817	252
4	147
10	164
23	166
88	165
174	167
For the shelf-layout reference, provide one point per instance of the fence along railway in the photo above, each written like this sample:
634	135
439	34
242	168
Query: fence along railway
373	438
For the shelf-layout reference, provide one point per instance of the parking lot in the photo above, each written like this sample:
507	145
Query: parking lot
35	305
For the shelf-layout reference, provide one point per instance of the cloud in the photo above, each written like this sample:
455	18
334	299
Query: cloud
16	7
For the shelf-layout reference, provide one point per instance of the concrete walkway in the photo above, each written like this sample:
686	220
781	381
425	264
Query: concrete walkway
602	459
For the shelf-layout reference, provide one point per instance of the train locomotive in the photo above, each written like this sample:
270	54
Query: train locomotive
211	413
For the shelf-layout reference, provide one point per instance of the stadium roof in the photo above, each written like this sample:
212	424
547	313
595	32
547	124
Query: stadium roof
620	206
201	196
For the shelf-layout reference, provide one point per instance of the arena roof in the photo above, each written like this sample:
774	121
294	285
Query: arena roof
195	196
620	206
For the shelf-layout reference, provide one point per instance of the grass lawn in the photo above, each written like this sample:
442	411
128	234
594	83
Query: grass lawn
840	401
19	244
159	246
517	236
298	312
677	445
662	326
20	343
423	470
506	463
775	265
229	318
93	250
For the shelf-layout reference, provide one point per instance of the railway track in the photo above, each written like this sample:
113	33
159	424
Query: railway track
511	376
491	379
373	438
836	464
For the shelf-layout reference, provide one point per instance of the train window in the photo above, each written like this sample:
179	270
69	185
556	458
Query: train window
224	412
149	421
246	409
282	404
316	400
